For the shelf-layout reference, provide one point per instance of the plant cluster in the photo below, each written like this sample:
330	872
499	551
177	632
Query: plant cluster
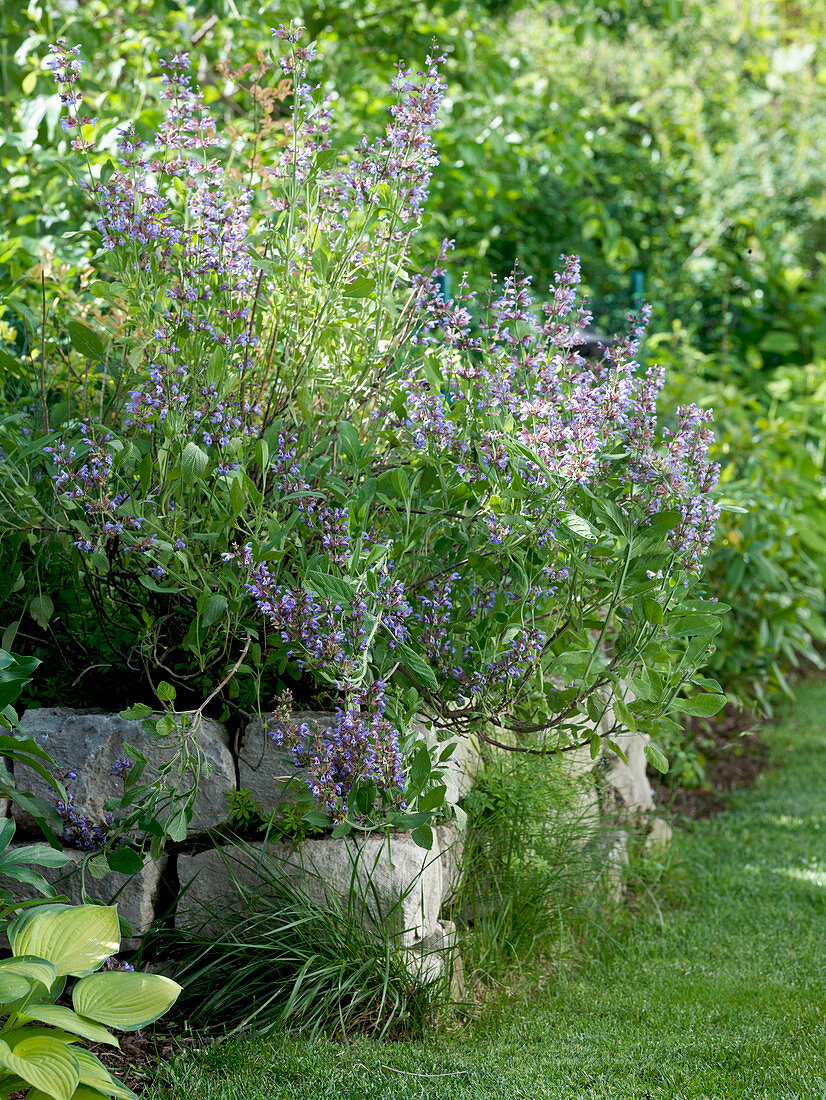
40	1053
292	458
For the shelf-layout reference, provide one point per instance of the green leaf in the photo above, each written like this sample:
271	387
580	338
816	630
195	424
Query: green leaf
579	526
46	1063
361	287
695	625
344	828
331	588
13	987
423	836
656	758
137	712
125	861
433	799
41	609
85	340
652	611
194	461
166	692
215	610
125	1001
701	706
29	966
59	1016
95	1074
77	939
237	498
420	671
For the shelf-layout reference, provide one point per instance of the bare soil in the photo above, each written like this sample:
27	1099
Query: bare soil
735	755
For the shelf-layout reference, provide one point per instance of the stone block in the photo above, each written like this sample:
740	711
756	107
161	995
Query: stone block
268	771
90	744
398	884
134	895
451	841
629	781
659	836
439	956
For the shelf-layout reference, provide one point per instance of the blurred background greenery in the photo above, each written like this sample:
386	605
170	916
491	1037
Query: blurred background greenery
677	146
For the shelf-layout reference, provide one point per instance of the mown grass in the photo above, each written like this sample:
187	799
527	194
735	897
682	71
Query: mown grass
720	994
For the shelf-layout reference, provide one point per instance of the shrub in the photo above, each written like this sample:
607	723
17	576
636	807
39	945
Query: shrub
291	458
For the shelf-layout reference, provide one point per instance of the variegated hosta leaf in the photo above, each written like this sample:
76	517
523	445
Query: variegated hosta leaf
82	1092
95	1074
13	987
29	966
58	1016
42	1061
125	1000
77	939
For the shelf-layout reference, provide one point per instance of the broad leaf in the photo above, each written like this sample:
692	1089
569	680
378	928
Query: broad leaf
46	1063
85	340
194	461
29	966
95	1074
123	1000
701	706
59	1016
656	758
76	938
417	667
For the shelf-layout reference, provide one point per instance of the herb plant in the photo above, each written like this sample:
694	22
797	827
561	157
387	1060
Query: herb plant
294	468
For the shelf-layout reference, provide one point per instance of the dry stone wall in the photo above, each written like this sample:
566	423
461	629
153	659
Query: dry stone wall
398	879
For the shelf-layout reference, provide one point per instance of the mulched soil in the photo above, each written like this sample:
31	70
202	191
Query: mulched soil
139	1056
735	755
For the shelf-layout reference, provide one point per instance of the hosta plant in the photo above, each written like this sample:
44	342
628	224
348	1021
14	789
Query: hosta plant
40	1039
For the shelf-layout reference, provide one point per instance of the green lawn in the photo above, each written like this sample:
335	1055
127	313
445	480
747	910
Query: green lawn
723	999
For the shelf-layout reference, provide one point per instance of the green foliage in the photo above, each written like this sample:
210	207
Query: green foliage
285	952
717	990
48	945
21	864
769	563
533	858
15	674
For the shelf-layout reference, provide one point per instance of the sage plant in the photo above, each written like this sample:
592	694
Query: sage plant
391	501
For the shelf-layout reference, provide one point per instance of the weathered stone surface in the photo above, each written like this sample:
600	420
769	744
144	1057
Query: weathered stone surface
451	841
438	956
135	895
659	835
400	883
630	781
616	864
91	743
268	771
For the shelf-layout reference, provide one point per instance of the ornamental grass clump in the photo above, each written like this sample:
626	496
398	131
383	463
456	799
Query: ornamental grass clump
286	456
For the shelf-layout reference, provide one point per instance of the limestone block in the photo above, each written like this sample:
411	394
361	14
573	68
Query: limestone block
90	744
659	835
134	895
451	841
439	956
398	884
629	782
615	866
268	771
